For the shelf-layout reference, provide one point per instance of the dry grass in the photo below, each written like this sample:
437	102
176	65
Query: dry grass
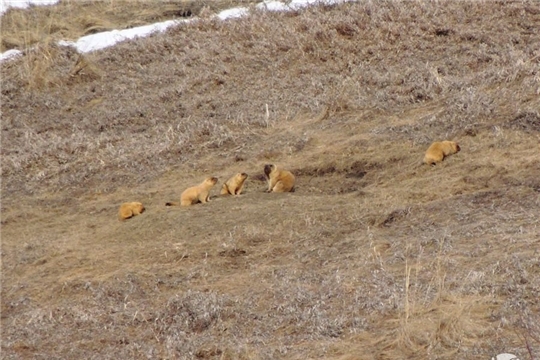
72	19
373	257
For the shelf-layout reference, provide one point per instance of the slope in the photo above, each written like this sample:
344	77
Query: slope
374	256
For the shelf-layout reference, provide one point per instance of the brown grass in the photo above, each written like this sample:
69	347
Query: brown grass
375	256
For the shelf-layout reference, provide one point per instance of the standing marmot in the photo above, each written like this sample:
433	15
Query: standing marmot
195	194
439	150
234	185
278	180
130	209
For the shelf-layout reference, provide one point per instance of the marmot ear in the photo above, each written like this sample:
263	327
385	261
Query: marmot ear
458	148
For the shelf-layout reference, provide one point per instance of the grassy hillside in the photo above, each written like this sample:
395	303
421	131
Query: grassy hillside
375	256
70	20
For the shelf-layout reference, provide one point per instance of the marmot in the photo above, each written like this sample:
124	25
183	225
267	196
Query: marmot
439	150
234	185
278	180
130	209
195	194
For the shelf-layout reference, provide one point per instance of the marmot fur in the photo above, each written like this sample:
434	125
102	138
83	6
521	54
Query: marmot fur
130	209
278	180
439	150
195	194
234	185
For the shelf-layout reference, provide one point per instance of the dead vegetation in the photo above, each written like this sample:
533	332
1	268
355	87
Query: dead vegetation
70	20
375	256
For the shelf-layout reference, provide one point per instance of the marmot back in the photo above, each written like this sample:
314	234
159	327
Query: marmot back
439	150
130	209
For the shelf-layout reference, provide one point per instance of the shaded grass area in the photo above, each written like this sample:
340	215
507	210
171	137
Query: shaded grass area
375	256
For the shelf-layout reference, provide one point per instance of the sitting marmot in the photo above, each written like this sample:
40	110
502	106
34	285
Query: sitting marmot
278	180
195	194
234	185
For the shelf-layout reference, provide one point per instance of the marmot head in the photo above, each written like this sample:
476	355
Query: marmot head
454	146
139	206
268	168
211	180
242	175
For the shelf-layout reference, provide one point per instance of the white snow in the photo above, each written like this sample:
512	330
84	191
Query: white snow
21	4
298	4
105	39
10	54
505	357
233	13
109	38
272	6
